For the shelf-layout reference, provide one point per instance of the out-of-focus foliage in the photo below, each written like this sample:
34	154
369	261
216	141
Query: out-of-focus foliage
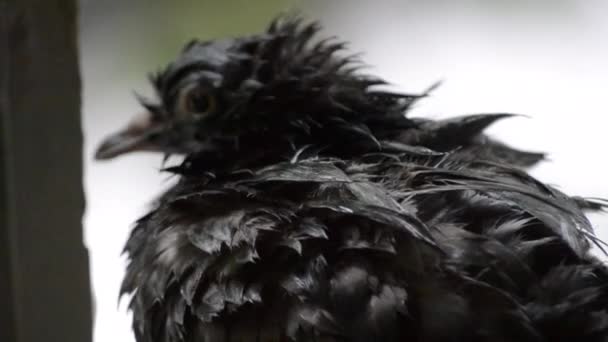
149	33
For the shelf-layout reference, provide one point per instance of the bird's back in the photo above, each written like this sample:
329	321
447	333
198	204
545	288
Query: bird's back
387	247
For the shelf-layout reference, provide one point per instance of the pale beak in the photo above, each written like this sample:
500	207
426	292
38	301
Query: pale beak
134	137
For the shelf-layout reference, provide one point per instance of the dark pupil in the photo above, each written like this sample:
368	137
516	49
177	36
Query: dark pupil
198	102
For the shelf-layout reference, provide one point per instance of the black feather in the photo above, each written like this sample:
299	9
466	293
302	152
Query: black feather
310	208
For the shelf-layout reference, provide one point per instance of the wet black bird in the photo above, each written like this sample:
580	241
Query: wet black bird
311	208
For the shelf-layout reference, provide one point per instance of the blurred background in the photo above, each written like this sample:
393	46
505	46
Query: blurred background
546	59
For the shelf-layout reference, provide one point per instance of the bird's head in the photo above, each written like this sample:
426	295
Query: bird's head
277	91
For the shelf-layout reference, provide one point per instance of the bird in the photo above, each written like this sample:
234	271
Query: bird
310	206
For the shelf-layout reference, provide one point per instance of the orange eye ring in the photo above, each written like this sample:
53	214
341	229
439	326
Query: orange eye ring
199	102
195	102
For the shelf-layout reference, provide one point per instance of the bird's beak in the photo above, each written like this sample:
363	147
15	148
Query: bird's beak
134	137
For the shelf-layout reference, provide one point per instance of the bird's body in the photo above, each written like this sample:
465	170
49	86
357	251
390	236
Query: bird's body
310	208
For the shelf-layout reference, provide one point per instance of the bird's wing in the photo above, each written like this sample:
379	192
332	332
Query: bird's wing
325	251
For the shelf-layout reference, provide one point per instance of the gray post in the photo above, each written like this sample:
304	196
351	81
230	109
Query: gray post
44	277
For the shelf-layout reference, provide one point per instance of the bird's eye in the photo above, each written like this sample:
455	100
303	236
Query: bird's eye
199	102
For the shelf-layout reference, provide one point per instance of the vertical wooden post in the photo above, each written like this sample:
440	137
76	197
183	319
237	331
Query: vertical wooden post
44	277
